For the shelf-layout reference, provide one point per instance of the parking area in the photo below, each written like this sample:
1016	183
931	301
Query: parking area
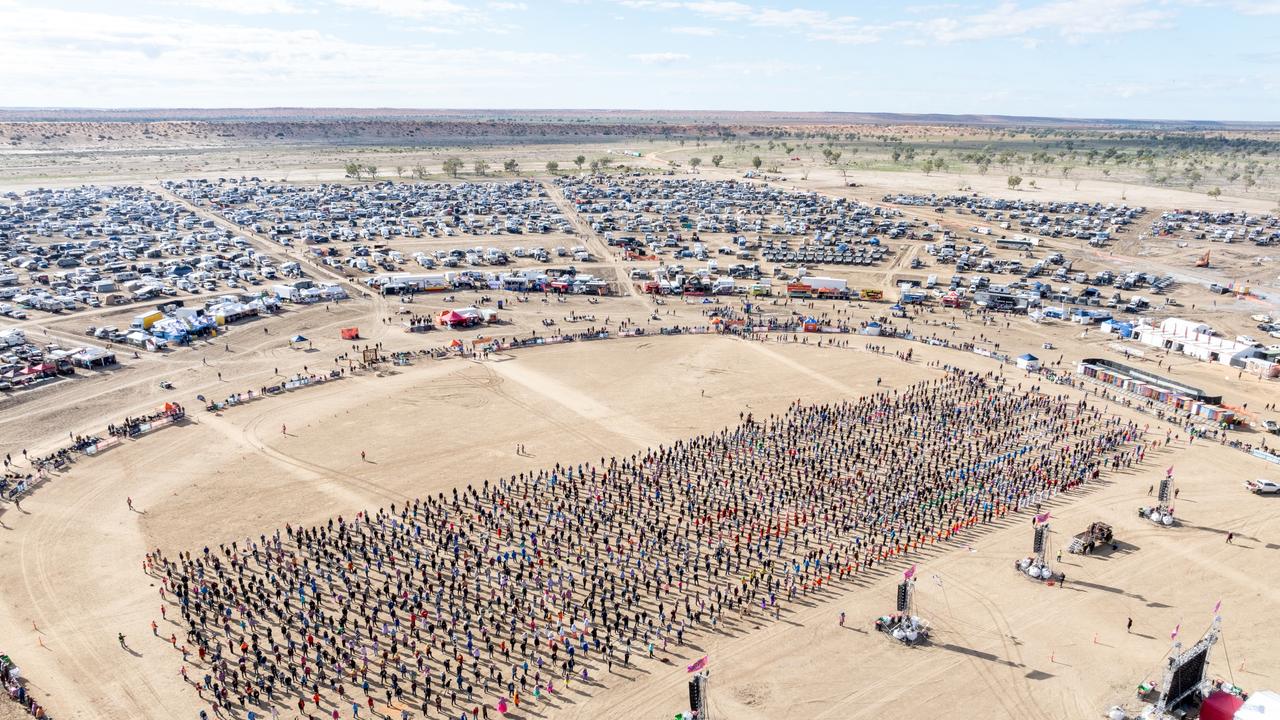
69	249
684	218
366	229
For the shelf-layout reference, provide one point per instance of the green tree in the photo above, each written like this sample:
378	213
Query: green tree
1014	181
372	170
353	170
595	166
580	161
420	172
511	166
452	166
694	162
553	167
1215	192
399	171
927	166
480	167
756	162
717	159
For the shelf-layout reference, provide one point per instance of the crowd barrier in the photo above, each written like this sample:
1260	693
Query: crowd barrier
293	383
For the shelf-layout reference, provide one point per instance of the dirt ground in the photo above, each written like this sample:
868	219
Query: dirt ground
1004	646
70	558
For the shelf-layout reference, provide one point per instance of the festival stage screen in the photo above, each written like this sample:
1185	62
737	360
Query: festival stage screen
1186	679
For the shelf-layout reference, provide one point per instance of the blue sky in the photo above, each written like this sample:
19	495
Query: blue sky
1179	59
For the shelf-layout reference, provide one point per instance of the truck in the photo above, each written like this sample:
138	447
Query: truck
826	284
1098	533
724	286
146	320
812	286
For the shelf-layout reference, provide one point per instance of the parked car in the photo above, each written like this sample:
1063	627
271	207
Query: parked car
1263	487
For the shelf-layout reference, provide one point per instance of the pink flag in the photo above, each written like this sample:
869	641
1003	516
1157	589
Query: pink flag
1169	472
910	572
698	665
1217	606
1174	635
1043	518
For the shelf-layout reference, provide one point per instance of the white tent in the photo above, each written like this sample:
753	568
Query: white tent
1027	361
1184	328
1263	705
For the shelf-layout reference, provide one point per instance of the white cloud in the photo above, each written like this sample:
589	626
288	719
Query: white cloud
650	4
721	8
1241	7
1258	7
74	58
658	58
416	9
793	18
814	24
245	7
1068	18
929	9
445	17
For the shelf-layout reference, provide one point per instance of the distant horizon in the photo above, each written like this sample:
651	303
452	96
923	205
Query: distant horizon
692	115
1210	59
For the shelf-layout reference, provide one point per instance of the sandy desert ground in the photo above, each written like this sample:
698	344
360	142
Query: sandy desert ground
1004	646
71	557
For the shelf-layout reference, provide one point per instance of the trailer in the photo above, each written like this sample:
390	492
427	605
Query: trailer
826	284
816	287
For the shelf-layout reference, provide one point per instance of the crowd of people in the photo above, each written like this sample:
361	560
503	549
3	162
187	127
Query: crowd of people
131	426
14	483
11	678
297	380
502	594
